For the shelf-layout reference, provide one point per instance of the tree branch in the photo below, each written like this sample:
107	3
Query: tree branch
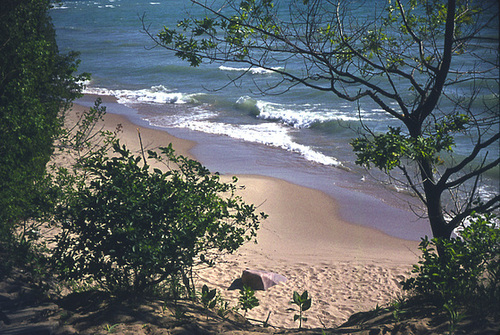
481	208
417	40
430	102
412	185
472	174
477	149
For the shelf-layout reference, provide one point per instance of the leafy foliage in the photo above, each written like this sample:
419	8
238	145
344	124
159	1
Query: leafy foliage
247	299
130	228
390	150
466	271
36	84
208	297
84	139
304	303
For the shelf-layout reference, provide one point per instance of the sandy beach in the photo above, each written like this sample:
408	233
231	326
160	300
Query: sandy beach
346	268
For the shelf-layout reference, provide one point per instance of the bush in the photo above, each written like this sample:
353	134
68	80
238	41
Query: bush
466	272
36	84
130	228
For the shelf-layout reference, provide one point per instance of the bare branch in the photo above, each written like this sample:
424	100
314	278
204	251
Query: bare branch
472	174
412	184
490	205
477	149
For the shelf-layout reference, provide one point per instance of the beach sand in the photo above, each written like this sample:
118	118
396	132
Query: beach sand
346	268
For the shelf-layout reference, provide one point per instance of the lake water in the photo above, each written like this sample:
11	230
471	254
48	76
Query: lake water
302	135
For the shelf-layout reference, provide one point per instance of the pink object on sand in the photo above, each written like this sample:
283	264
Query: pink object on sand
261	280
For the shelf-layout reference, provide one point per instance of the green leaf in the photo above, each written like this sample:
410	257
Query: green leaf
211	294
296	298
306	305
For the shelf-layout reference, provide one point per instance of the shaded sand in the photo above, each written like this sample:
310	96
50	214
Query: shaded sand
346	268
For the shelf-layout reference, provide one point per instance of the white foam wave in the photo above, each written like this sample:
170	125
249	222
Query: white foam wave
303	116
156	94
84	83
180	119
252	70
270	134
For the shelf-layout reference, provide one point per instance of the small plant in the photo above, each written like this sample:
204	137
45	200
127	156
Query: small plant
179	313
175	288
304	303
248	300
396	310
110	328
164	308
454	316
208	297
222	306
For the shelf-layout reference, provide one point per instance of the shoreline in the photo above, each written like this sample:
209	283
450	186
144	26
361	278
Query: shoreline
346	267
154	137
228	156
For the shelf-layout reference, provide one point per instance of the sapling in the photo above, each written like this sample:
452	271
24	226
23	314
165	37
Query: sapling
110	328
248	300
208	297
454	316
304	303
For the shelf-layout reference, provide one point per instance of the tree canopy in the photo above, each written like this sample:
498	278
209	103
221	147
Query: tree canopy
37	84
431	65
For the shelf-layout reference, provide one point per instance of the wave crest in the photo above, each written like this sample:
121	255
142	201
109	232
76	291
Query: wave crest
252	70
156	94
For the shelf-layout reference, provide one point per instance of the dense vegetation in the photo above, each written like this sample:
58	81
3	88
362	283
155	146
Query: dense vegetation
123	226
37	84
464	278
129	228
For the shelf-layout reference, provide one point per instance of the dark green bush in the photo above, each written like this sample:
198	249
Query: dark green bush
129	227
466	272
37	84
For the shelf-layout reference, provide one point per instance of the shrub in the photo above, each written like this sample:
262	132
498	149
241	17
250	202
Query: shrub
466	271
130	228
37	83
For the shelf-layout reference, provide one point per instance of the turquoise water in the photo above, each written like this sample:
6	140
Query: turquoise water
301	135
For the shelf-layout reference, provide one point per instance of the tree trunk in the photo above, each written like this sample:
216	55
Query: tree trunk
432	192
439	226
